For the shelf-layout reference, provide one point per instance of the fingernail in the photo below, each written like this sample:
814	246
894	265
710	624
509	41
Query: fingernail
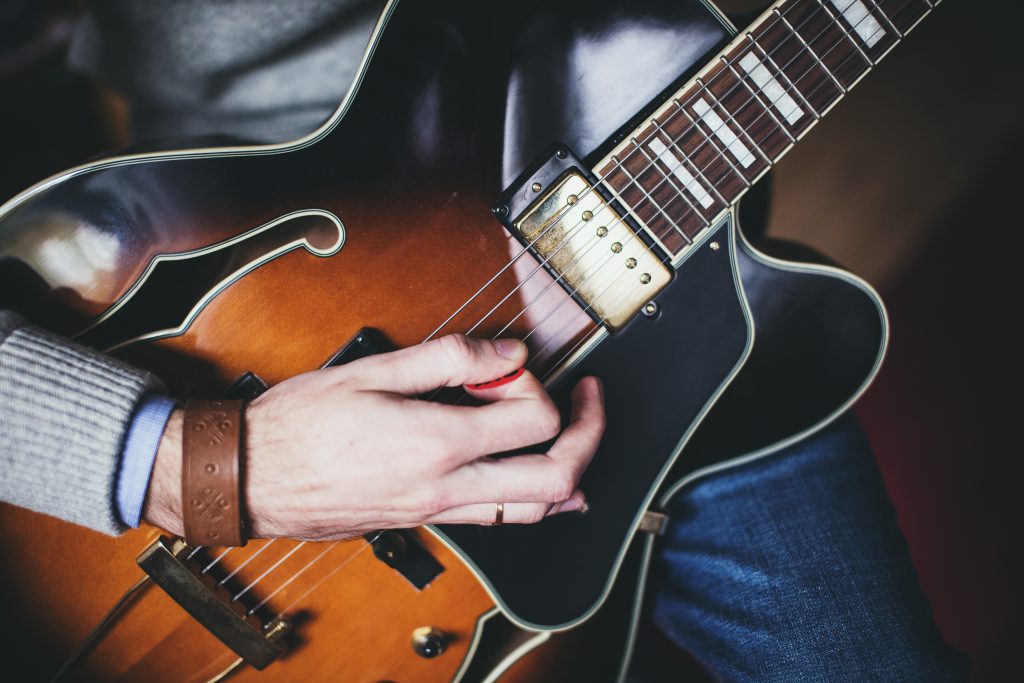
573	504
509	349
501	381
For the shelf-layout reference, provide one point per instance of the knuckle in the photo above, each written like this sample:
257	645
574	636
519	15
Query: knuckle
457	347
433	502
562	487
549	421
445	447
447	458
534	514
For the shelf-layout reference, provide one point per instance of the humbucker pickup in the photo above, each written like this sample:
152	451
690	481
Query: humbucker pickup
588	245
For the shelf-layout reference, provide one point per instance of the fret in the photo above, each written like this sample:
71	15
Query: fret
721	152
702	115
759	65
706	145
692	140
810	51
766	135
885	17
646	208
810	78
903	15
835	48
656	185
667	190
666	212
718	87
826	5
676	165
714	156
679	172
631	196
856	16
767	106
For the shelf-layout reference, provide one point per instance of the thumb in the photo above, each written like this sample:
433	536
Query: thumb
448	361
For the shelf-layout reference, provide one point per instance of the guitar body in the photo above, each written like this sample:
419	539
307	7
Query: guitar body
822	334
206	264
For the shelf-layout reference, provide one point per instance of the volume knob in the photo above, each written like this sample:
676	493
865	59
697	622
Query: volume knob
428	642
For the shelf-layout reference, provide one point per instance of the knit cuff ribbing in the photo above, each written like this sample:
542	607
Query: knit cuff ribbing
64	411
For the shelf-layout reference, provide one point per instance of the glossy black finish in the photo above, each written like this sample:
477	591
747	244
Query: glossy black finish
659	377
819	338
579	73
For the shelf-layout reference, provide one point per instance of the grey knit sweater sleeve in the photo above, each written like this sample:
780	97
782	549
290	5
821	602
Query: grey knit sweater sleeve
64	410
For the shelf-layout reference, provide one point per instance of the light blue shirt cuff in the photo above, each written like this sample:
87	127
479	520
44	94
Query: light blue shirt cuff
138	455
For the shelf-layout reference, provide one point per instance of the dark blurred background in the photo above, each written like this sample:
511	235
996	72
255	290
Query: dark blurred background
909	182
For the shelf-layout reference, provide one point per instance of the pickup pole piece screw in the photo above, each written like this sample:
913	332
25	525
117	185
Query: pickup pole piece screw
645	278
631	262
536	187
616	247
572	199
587	215
602	231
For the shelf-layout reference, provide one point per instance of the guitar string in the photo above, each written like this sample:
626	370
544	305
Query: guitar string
215	561
572	350
816	61
703	171
292	578
242	566
820	61
525	249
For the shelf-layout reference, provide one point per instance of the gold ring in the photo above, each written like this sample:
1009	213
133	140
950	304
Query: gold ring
499	513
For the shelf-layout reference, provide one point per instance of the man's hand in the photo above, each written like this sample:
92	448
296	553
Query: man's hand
335	453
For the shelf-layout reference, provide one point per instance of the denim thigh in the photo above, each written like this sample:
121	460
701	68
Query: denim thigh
793	567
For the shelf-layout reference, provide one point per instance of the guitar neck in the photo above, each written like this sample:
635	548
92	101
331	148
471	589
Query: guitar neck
680	170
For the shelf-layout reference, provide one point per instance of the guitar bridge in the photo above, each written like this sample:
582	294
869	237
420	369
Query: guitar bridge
257	643
585	242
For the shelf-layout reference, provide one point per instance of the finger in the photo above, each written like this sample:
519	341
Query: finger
512	513
576	503
448	361
519	414
546	478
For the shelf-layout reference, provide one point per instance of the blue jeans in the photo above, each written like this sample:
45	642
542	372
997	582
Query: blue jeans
792	567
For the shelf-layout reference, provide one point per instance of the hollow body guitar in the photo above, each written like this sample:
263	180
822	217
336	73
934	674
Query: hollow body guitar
390	225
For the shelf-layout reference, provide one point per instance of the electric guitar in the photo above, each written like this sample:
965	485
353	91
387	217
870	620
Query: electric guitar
555	173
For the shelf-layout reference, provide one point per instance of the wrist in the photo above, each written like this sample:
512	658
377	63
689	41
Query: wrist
163	498
258	522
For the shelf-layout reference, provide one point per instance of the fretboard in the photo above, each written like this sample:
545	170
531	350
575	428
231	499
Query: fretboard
699	152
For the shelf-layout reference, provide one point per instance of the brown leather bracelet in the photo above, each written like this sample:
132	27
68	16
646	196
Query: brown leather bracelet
211	473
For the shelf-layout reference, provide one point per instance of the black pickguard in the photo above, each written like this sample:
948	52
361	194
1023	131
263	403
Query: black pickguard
660	376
